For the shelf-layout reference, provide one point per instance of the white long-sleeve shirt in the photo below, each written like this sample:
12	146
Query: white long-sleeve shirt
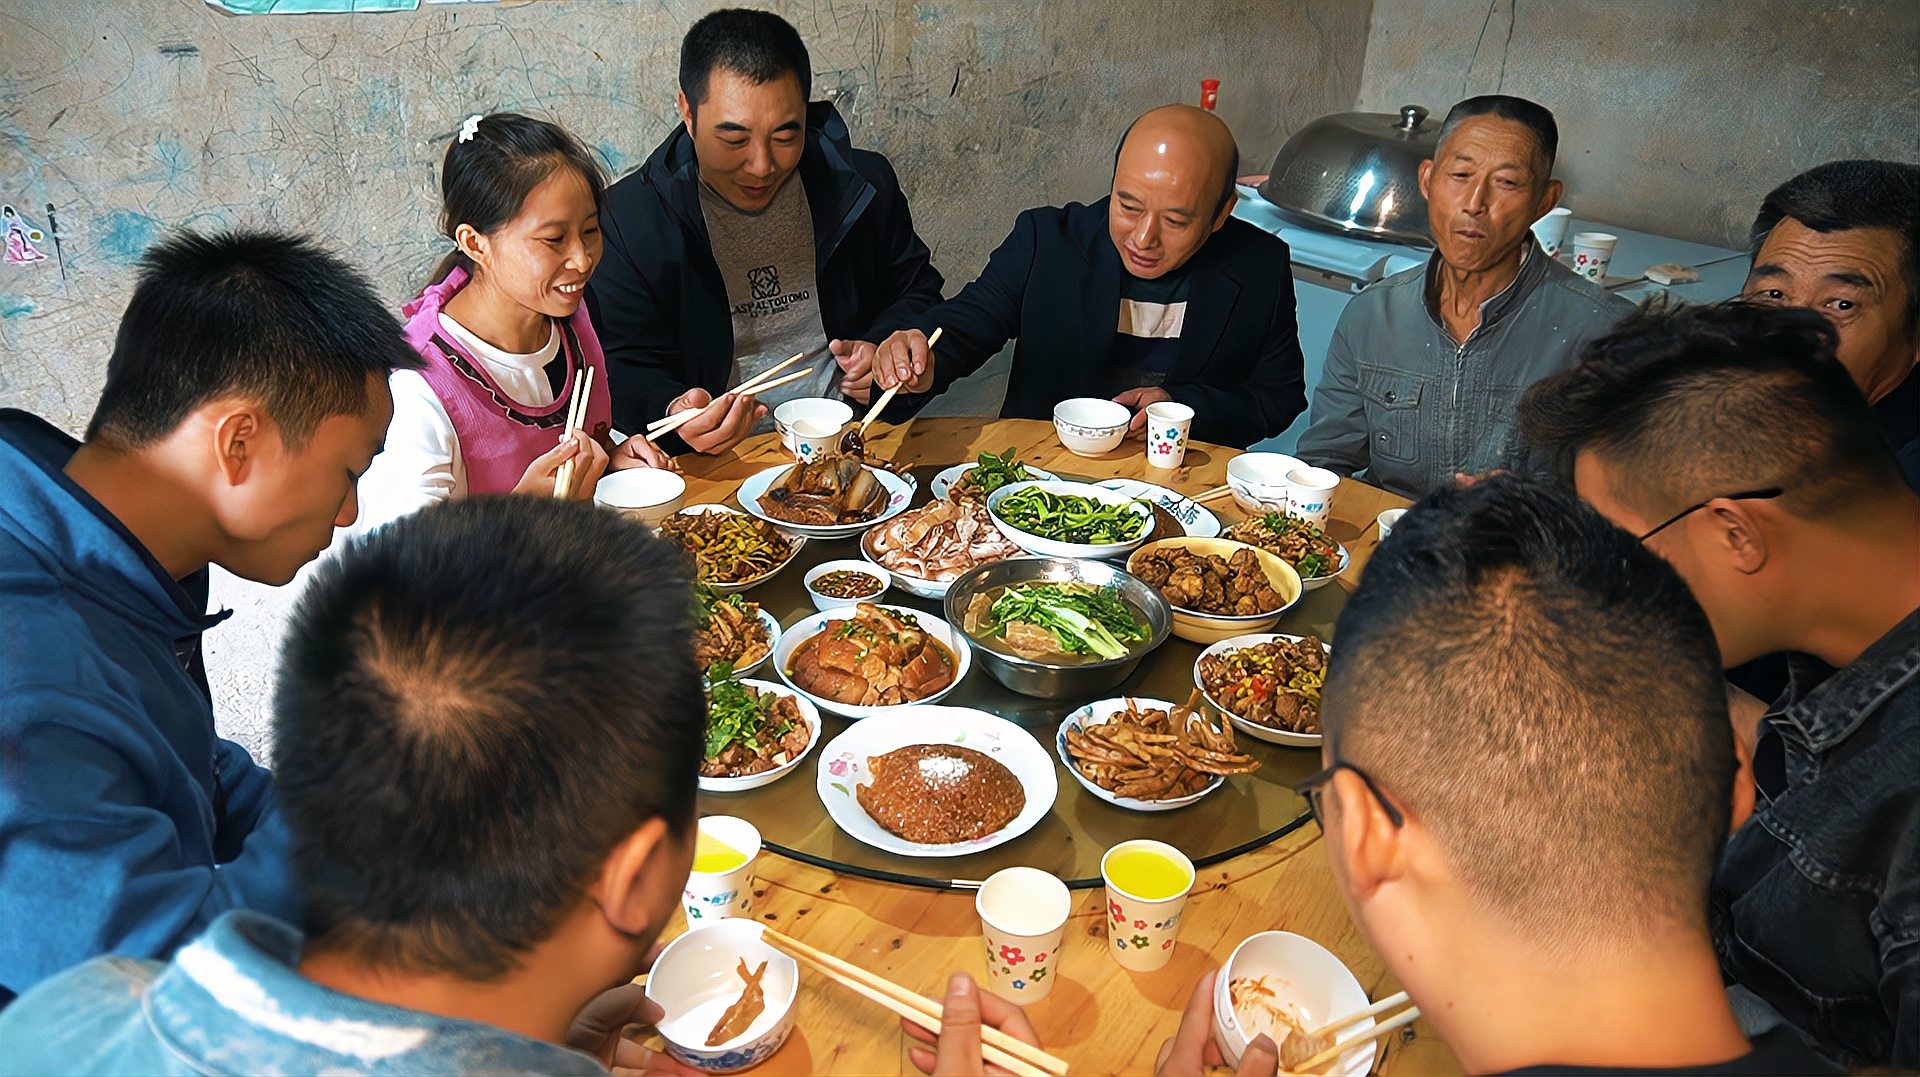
421	462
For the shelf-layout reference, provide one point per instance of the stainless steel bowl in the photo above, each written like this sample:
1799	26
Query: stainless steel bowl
1044	680
1357	172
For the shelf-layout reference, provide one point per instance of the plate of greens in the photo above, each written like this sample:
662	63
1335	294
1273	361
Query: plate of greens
977	481
757	732
1070	519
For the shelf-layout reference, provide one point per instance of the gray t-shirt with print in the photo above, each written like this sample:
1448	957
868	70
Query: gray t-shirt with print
766	260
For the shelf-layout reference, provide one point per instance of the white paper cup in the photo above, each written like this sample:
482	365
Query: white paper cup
1310	494
1551	230
811	439
1591	253
1141	931
1167	426
1023	915
716	895
1386	520
834	413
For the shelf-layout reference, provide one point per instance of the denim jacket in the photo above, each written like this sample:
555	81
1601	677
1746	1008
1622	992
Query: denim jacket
1816	902
1404	406
233	1001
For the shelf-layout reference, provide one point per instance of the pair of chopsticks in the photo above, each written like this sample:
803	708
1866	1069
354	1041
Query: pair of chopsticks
755	385
576	418
996	1047
1405	1017
1214	494
886	398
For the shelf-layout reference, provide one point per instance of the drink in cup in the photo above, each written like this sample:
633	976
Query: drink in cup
1023	916
1147	885
721	883
1310	494
1167	425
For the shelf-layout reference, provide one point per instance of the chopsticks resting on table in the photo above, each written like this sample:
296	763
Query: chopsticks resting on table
755	385
1214	494
1367	1035
886	398
576	417
996	1047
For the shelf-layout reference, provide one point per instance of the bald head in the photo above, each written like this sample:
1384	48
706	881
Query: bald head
1172	187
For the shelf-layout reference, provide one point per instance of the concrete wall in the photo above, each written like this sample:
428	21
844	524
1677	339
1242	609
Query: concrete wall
1676	116
135	118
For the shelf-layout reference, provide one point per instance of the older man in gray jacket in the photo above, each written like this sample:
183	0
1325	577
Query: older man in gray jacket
1424	376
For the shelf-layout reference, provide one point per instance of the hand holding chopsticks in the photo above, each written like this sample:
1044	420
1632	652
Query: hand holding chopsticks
576	418
997	1047
1291	1063
753	386
886	398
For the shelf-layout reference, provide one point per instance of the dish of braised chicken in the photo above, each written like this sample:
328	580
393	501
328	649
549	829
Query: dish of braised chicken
876	658
1235	586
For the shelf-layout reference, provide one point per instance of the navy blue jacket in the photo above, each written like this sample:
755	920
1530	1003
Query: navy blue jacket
659	304
1054	283
126	824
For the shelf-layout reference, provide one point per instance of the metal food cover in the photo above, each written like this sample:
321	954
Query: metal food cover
1357	172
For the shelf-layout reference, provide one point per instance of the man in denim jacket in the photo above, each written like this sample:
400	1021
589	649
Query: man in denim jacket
1735	444
1427	366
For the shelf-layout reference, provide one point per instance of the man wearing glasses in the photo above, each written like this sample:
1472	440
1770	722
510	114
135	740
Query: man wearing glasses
1735	444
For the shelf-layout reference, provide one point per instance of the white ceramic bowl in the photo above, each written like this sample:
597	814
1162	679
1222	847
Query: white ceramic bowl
843	768
913	585
899	494
1046	547
864	568
794	543
1196	519
1246	725
773	641
1321	581
942	484
812	625
1091	426
1203	628
808	712
1098	712
819	409
694	981
1259	480
1311	982
647	494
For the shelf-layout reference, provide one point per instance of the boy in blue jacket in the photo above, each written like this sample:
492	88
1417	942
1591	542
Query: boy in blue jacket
246	393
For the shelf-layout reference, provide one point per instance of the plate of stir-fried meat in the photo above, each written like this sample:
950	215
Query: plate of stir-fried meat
1268	684
730	550
730	629
928	548
861	661
1149	754
757	732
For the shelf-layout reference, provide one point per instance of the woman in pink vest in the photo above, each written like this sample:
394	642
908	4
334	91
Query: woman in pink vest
503	331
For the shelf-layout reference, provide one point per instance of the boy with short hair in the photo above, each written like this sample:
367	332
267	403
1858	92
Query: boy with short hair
246	392
489	724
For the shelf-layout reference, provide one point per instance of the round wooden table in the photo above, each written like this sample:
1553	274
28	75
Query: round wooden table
1100	1018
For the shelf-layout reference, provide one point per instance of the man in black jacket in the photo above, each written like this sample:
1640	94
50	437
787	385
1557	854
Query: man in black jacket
717	267
1153	293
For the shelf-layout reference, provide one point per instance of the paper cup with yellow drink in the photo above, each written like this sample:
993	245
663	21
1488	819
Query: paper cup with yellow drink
1147	885
721	883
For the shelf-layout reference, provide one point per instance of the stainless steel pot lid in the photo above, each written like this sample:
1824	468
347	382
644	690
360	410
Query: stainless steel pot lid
1357	172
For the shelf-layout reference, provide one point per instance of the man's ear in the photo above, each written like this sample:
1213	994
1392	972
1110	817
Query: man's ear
686	110
1226	210
1550	199
633	876
238	432
1426	171
1372	848
1738	537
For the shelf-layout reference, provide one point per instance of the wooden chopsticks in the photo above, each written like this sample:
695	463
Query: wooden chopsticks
886	398
759	383
576	417
996	1047
1214	494
1399	1020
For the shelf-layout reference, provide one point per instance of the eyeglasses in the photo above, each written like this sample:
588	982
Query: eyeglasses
1310	789
1767	494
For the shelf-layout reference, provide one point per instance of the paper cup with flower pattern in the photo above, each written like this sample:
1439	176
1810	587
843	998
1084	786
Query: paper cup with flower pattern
1147	887
1023	916
1168	423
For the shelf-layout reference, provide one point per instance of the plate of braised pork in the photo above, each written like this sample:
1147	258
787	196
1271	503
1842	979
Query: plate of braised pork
835	495
871	658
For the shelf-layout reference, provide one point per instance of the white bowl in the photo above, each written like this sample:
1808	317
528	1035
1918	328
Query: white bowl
813	624
913	585
773	641
808	712
1259	480
843	768
864	568
647	494
942	484
899	494
794	543
694	981
1091	426
1311	982
819	409
1321	581
1247	725
1097	713
1046	547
